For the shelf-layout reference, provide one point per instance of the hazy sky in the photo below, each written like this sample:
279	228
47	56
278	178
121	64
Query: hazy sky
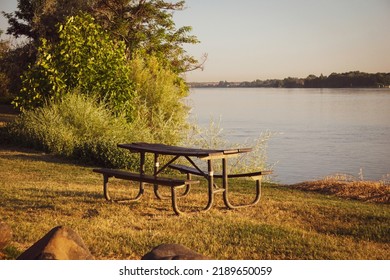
262	39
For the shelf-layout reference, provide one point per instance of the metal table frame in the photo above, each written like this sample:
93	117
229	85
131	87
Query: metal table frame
182	152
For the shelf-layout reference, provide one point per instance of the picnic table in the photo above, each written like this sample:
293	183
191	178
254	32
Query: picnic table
176	152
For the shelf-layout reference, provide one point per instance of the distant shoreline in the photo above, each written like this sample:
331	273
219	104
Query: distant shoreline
212	85
353	79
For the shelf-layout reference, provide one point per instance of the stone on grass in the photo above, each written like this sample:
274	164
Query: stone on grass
173	252
60	243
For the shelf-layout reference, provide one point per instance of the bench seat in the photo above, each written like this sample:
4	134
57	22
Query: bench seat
174	183
125	175
192	170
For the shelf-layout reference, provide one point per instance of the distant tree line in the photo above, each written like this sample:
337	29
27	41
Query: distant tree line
353	79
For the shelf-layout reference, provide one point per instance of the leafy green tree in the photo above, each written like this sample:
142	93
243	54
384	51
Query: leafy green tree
32	21
148	25
37	19
142	24
85	58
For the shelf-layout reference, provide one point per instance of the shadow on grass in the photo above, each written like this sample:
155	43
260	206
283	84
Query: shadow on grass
48	202
35	155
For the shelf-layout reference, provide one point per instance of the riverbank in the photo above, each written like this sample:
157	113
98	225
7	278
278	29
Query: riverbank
40	191
355	79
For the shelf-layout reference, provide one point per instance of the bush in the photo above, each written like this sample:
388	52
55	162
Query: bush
213	137
79	127
85	58
158	103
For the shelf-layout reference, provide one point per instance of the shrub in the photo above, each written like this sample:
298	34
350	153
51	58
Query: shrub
213	137
85	58
76	126
158	102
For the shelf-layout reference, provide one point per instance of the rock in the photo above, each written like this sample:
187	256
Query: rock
173	252
60	243
5	235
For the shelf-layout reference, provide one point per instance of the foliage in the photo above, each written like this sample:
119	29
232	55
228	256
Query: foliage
212	137
4	81
159	102
13	62
37	19
142	24
33	21
25	13
86	59
148	25
75	126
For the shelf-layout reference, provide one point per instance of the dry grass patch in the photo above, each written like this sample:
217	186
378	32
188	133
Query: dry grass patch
371	191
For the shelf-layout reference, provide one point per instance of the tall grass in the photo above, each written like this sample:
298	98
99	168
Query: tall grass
75	127
214	137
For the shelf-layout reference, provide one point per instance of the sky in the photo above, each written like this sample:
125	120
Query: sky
264	39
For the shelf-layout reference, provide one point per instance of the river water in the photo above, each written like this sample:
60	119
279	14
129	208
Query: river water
315	132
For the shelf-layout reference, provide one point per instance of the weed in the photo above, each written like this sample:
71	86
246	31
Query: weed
213	137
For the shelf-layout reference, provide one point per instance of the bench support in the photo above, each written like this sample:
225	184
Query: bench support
173	183
107	195
256	176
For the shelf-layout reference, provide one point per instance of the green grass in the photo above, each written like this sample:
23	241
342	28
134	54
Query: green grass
39	192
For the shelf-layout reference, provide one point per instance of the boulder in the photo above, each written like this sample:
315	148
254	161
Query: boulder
60	243
5	235
173	252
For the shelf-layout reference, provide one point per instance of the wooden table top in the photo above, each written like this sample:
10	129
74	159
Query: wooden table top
180	151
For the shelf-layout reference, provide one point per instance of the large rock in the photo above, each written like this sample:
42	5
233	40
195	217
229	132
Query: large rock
60	243
173	252
5	235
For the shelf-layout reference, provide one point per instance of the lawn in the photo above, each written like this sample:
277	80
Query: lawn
40	191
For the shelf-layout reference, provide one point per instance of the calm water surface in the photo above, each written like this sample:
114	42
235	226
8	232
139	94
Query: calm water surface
318	132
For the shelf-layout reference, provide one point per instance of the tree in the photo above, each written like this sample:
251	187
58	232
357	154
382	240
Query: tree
85	59
33	21
37	19
149	25
4	81
145	25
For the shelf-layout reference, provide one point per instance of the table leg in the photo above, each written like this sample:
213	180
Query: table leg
226	188
142	171
156	169
210	179
225	183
